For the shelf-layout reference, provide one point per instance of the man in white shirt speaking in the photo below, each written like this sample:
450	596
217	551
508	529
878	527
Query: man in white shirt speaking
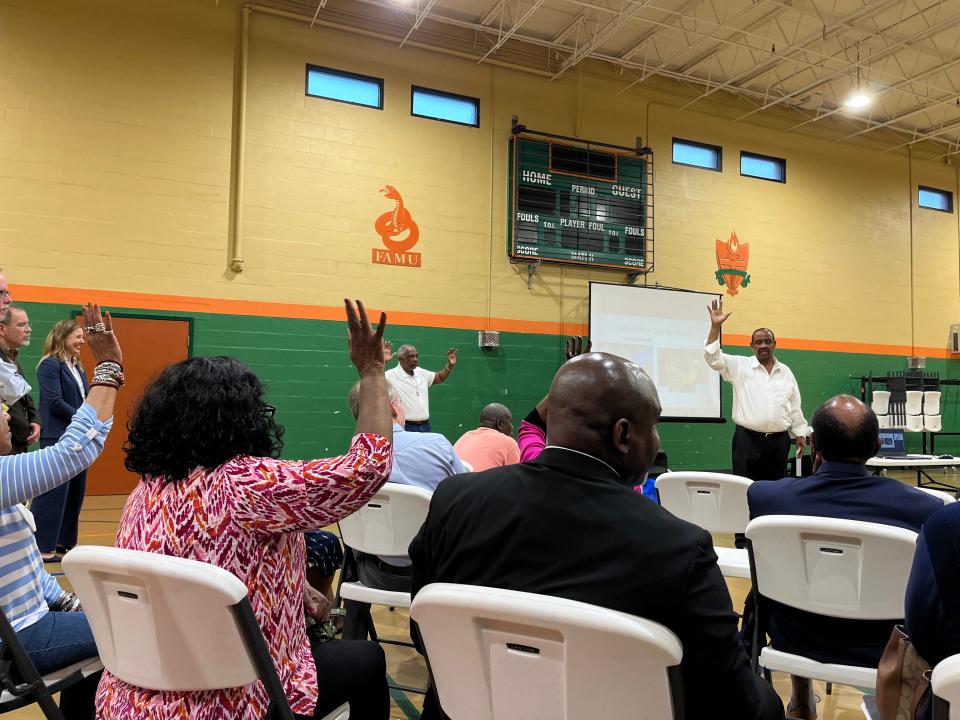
412	382
766	402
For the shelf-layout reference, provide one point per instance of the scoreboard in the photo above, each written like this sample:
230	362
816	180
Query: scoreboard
573	203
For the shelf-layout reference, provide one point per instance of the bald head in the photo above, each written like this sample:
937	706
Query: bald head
497	417
607	407
845	430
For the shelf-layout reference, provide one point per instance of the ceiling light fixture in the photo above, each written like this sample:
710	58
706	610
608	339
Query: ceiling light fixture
859	98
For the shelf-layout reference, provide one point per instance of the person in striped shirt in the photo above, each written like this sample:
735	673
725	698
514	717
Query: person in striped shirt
48	620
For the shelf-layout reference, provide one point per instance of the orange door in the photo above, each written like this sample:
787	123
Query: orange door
149	345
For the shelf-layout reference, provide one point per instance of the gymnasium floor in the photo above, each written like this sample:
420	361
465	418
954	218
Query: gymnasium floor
98	525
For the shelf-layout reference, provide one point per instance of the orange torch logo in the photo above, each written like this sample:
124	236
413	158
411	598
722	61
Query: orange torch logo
732	258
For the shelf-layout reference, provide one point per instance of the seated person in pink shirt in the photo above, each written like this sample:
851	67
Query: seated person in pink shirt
532	435
491	444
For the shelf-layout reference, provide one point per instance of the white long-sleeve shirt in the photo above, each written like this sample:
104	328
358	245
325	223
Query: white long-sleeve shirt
762	401
12	384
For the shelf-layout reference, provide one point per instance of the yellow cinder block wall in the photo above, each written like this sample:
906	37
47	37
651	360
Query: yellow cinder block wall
115	140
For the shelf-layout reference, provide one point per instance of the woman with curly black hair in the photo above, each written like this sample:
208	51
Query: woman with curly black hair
212	489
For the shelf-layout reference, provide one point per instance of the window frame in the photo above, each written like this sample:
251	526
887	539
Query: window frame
446	94
694	143
346	74
938	191
759	156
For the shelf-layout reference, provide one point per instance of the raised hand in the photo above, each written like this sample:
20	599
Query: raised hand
364	343
717	315
575	346
452	357
100	336
388	353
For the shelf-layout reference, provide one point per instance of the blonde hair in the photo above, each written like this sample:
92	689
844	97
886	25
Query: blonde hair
56	343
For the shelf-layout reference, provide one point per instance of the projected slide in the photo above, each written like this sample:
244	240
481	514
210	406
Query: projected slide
663	331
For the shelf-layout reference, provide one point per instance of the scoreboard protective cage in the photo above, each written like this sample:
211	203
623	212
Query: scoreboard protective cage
580	202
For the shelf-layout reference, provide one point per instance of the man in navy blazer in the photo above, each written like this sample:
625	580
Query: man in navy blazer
845	435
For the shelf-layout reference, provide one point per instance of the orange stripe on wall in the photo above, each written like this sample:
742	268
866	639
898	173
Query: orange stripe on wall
182	303
843	347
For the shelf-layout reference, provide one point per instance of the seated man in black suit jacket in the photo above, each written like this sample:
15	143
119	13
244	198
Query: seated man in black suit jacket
569	524
845	435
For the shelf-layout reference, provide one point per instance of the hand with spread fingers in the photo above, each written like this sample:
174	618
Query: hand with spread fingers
717	315
100	337
367	353
575	346
365	343
388	353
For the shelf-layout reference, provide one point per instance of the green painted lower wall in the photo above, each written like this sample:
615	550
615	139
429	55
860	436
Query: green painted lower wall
308	375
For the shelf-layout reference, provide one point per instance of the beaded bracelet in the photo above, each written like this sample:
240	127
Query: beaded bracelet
109	374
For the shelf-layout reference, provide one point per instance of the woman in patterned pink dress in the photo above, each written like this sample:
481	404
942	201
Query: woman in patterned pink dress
212	489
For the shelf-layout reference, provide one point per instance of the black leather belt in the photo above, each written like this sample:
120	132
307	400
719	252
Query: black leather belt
757	433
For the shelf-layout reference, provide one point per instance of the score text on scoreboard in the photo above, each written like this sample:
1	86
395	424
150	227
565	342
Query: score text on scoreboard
576	204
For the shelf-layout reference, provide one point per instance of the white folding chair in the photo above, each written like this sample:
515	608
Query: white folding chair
717	502
22	685
945	683
837	568
385	526
508	655
169	623
944	497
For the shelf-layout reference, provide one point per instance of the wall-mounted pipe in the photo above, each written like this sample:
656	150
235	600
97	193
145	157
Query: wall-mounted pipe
240	147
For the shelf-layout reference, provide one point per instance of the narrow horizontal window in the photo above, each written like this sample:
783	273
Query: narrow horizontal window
344	87
688	152
439	105
763	167
934	199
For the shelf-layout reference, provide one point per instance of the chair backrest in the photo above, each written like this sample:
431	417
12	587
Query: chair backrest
518	656
840	568
945	682
715	501
944	497
161	622
388	522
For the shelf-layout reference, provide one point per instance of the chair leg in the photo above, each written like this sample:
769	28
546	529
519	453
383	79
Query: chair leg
358	624
45	700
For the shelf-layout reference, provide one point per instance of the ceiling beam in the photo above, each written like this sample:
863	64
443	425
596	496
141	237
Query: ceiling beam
788	51
603	34
507	35
666	63
421	16
884	91
879	55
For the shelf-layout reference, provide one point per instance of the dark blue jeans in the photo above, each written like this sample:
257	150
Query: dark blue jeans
417	427
57	512
57	640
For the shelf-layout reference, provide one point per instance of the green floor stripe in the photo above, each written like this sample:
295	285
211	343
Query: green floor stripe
403	702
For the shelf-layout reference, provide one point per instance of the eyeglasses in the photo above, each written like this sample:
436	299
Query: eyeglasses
269	410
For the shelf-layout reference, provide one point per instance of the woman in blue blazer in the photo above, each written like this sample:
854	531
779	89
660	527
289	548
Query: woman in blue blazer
63	388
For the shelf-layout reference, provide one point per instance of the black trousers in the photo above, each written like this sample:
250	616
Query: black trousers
758	457
354	672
